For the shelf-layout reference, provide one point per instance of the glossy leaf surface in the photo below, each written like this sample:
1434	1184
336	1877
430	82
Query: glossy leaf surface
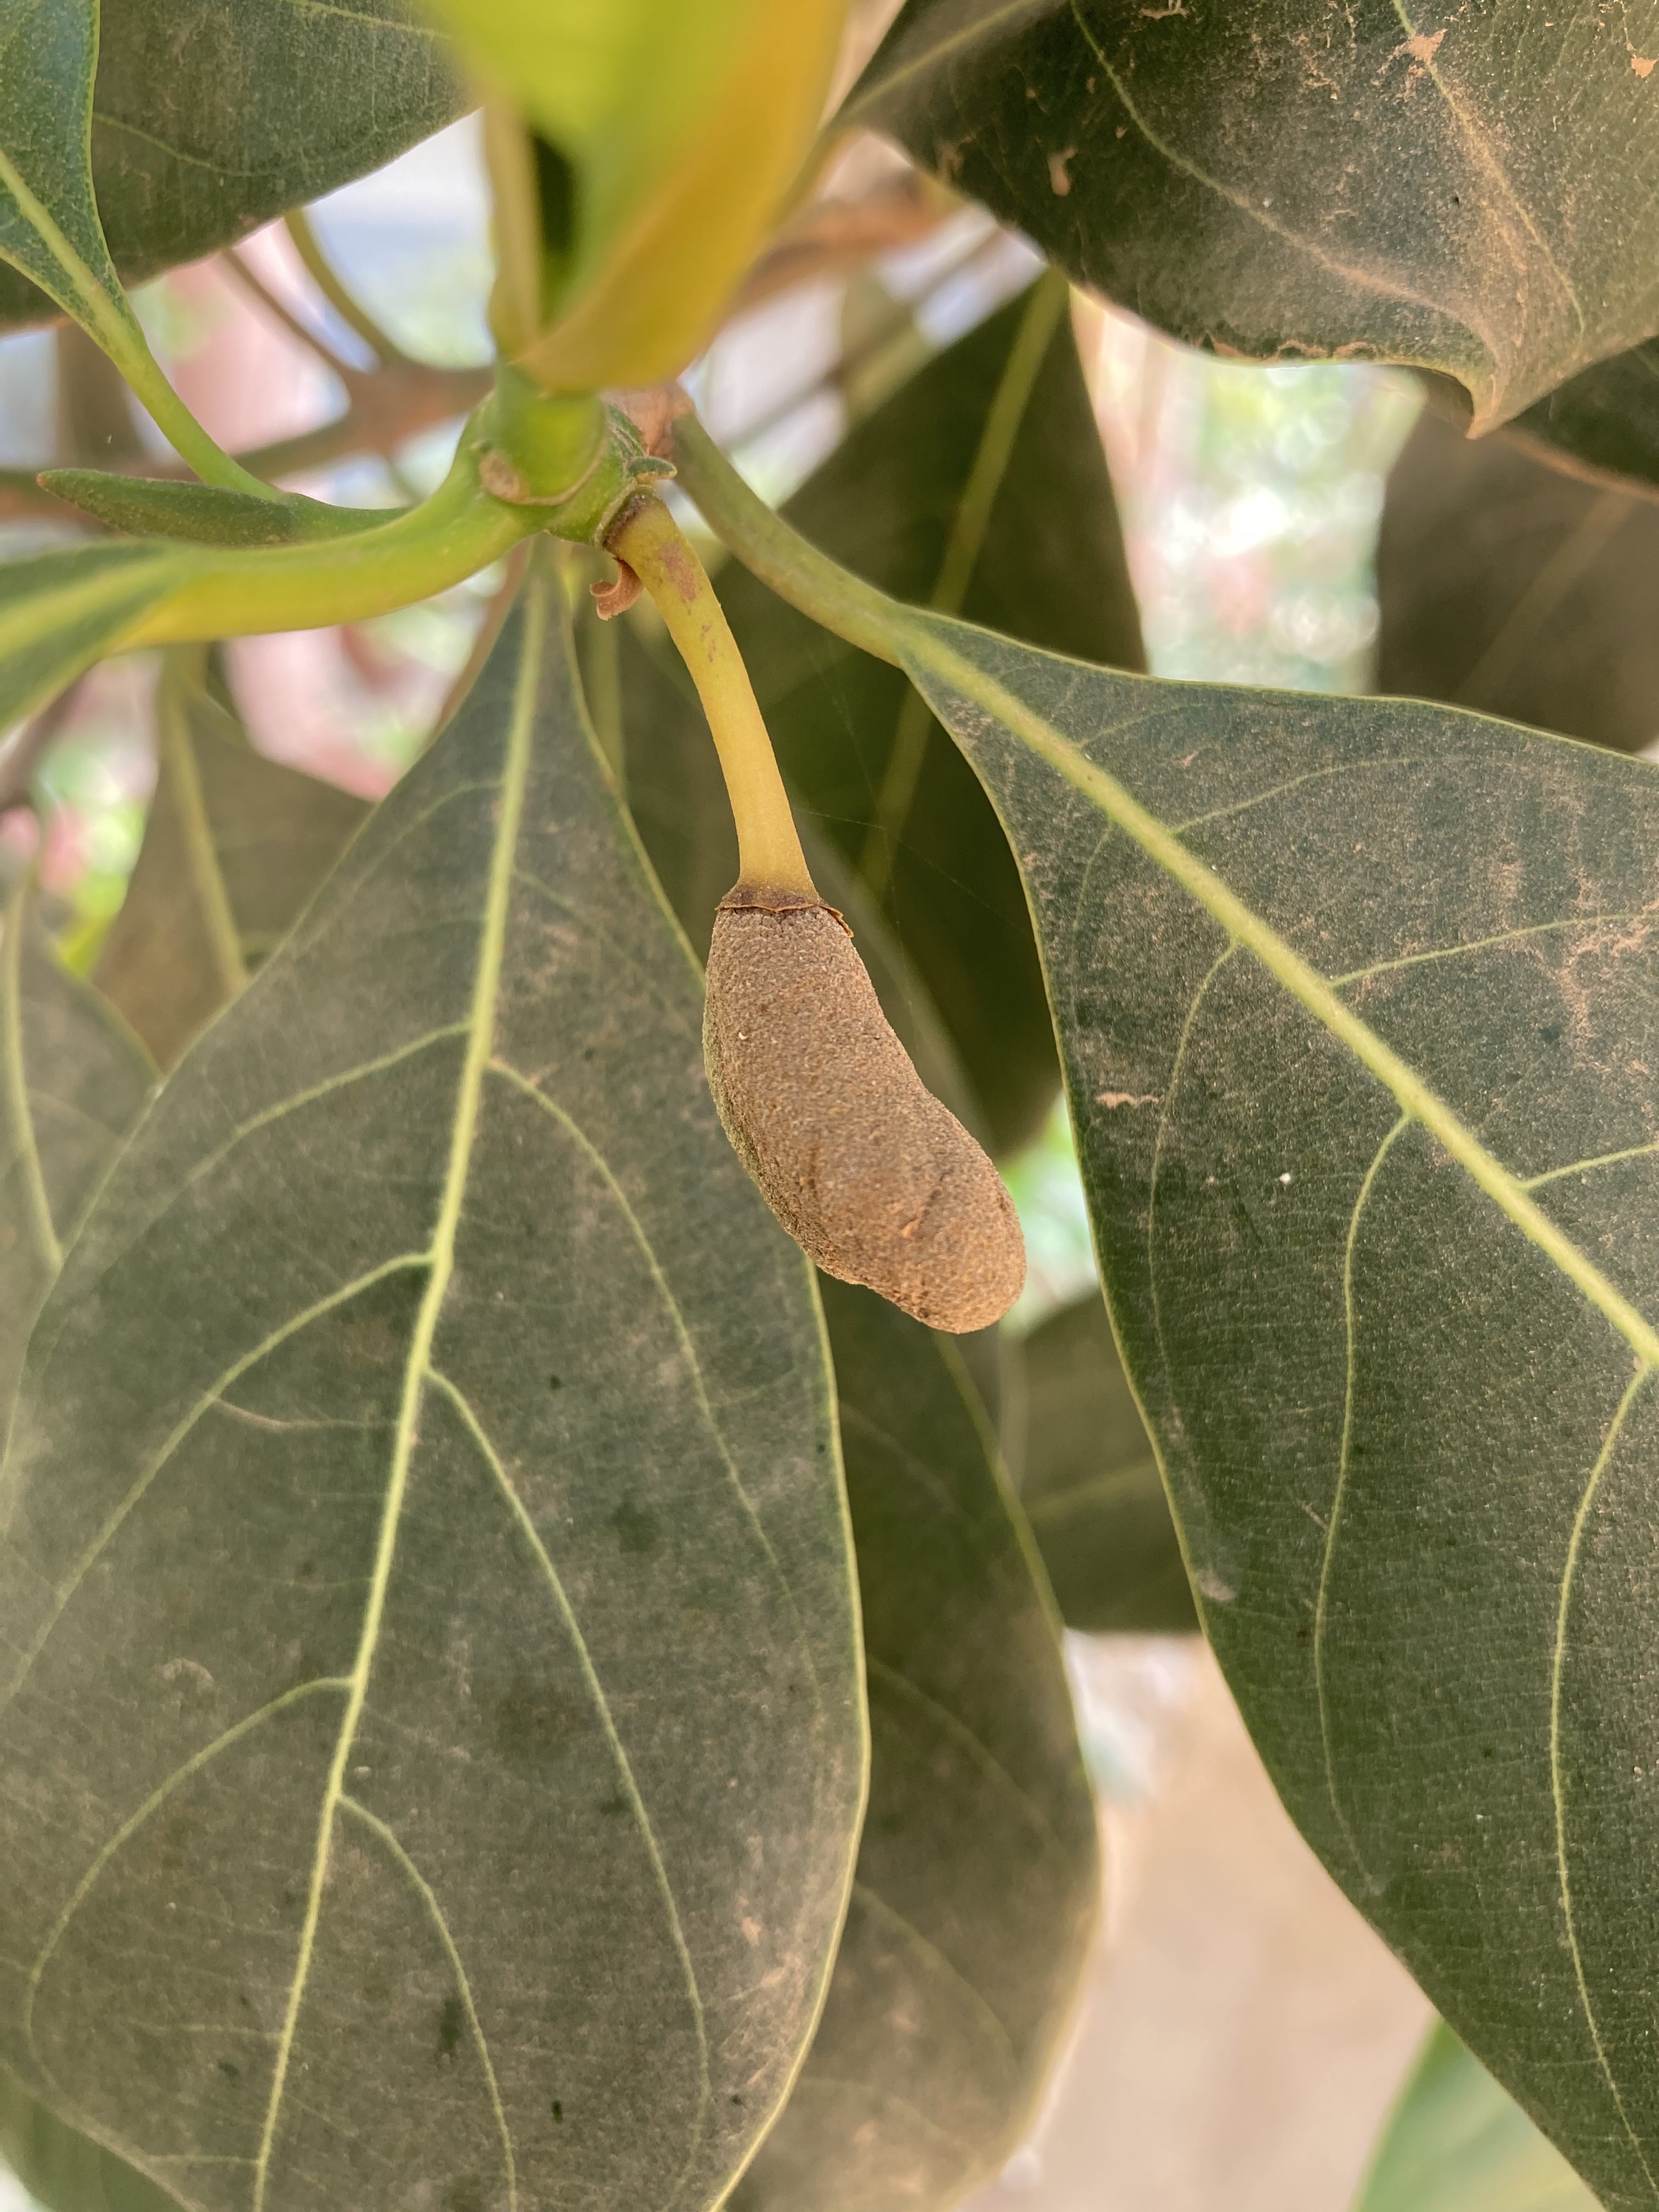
983	473
1090	1484
1456	2143
680	130
403	1844
209	117
234	847
1454	192
977	1882
75	1081
1508	585
1355	1002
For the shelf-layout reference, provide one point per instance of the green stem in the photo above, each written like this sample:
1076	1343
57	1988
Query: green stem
127	347
779	556
448	537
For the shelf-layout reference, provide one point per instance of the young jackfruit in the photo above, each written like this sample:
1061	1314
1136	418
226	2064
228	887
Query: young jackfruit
868	1172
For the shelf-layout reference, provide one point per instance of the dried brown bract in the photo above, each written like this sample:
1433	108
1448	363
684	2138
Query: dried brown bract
876	1180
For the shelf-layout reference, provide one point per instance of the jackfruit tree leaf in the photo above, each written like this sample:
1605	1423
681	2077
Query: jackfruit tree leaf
49	228
1355	999
1089	1485
61	611
977	1882
402	1847
234	847
1509	587
64	2171
75	1081
1457	191
209	116
1604	421
1455	2144
983	474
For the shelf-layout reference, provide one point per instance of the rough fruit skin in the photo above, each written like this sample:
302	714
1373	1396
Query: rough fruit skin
877	1181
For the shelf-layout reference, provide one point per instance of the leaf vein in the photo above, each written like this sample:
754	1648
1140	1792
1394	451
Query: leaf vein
452	1951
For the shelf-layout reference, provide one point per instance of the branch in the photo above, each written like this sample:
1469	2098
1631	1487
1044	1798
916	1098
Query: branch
249	277
321	272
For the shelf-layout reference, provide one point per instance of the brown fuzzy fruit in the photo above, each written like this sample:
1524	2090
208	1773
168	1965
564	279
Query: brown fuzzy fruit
876	1180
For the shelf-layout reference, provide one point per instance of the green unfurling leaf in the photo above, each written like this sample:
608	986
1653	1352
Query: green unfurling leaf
1089	1485
1354	999
1508	585
234	846
403	1845
1459	190
209	117
49	226
977	1882
1455	2144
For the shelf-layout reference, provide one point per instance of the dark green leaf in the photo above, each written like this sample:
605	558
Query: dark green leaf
206	514
986	465
234	846
1511	587
75	1081
977	1880
64	2171
61	611
1456	2143
1090	1484
49	228
1606	420
403	1844
211	116
1457	192
1356	1003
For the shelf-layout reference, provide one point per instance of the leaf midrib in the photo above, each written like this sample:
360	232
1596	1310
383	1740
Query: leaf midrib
927	654
418	1359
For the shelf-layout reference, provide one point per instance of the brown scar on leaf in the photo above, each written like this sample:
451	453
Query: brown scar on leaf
1644	63
1125	1098
1060	171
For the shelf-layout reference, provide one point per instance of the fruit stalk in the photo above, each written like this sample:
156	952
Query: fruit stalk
648	540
